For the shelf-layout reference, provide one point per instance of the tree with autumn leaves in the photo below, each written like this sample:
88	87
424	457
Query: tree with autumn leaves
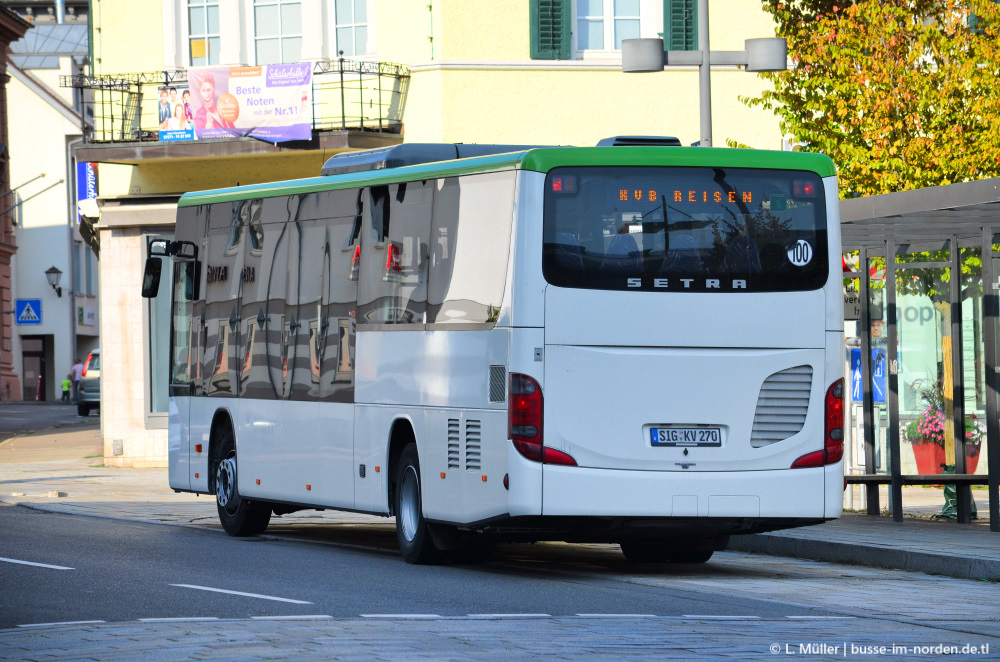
901	94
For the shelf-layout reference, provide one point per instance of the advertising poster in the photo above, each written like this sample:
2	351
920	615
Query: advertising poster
86	182
272	102
175	114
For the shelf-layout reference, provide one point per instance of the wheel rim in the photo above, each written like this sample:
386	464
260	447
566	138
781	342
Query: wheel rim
409	503
225	484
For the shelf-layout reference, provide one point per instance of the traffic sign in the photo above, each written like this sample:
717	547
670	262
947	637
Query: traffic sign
878	375
28	312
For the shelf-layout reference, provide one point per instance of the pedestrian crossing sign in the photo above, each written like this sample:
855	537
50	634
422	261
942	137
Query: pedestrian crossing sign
28	312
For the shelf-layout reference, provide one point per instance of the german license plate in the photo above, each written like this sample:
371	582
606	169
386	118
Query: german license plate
685	435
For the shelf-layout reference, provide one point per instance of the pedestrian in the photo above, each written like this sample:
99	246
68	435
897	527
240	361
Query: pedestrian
67	384
77	374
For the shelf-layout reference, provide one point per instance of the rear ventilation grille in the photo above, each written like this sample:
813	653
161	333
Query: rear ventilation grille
473	443
454	431
782	406
498	383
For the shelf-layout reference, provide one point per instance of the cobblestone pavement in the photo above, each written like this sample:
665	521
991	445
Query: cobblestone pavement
403	638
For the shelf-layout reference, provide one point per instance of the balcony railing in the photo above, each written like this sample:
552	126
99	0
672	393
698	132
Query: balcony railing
348	95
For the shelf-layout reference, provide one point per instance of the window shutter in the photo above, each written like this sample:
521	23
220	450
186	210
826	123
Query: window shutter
680	25
550	35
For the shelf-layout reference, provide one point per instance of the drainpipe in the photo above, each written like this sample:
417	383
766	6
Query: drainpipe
60	11
71	203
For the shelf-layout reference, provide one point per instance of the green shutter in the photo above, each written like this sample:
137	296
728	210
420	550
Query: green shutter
680	25
550	35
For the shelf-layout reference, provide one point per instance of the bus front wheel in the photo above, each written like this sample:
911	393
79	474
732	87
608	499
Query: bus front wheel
239	517
414	536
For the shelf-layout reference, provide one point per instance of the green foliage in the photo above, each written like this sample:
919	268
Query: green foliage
902	94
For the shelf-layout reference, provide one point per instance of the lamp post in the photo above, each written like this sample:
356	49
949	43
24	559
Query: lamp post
53	275
759	55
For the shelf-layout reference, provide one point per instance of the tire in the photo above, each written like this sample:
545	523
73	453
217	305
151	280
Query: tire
239	517
644	552
690	555
82	409
412	530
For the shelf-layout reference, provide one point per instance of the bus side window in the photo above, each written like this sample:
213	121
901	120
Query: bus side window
394	255
472	225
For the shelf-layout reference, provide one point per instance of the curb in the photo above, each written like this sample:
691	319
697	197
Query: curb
868	555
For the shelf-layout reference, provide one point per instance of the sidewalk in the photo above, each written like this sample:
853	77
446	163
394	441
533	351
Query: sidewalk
62	470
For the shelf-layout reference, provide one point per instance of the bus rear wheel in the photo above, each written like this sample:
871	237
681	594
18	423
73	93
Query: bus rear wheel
239	517
412	530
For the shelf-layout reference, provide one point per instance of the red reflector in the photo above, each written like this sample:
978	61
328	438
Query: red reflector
814	459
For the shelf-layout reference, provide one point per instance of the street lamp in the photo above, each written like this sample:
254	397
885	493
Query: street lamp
760	55
53	275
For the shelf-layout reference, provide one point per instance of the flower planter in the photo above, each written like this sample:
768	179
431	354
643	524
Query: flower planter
930	457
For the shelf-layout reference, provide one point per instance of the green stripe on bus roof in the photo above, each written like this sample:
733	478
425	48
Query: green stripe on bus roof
543	160
539	160
366	178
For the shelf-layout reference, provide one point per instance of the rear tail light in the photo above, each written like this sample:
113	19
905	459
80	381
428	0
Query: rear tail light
524	422
833	431
86	365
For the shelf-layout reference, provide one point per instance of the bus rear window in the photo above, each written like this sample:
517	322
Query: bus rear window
685	229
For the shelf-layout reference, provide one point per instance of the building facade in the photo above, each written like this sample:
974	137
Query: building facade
543	72
12	28
65	326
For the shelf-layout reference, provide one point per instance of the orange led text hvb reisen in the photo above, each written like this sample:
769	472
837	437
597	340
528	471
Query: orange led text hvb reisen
624	195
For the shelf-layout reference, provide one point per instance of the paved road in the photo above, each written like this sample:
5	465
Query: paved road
358	599
23	417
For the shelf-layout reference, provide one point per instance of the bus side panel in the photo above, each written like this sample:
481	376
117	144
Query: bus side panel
372	425
202	411
466	486
178	443
628	493
433	378
302	452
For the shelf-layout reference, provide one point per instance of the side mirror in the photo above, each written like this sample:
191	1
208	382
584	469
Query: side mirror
151	277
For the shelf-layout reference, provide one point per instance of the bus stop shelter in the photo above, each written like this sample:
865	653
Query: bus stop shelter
922	279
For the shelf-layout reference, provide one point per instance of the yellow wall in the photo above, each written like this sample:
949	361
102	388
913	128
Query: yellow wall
128	36
580	107
499	29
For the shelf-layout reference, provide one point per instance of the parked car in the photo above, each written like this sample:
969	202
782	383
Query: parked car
90	385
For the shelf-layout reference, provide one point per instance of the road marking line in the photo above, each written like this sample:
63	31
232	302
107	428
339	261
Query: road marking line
618	615
820	618
42	625
723	618
179	619
402	616
37	565
245	595
510	615
304	617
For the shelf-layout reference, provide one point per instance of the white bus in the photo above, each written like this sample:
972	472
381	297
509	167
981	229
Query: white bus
639	345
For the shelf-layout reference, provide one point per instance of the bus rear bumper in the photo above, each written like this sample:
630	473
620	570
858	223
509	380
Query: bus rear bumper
788	493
